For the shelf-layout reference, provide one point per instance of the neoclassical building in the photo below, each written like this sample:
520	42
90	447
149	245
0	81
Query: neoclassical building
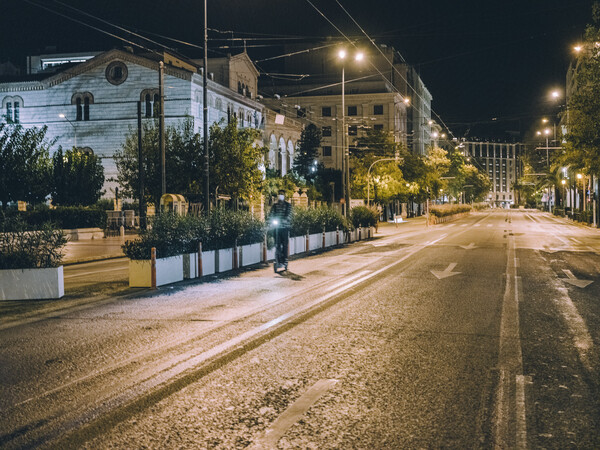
90	101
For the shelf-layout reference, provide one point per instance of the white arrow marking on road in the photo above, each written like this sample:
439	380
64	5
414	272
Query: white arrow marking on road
471	246
446	273
574	281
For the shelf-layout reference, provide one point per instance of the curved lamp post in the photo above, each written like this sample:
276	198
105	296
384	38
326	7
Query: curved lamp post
62	116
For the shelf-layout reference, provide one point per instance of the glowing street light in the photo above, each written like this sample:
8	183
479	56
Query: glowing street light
62	116
358	57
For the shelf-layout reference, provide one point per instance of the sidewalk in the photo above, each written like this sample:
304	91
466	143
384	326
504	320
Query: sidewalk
94	249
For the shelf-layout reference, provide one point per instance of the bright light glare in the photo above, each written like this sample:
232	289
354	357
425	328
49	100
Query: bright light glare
577	48
406	100
544	120
555	94
61	115
579	176
342	54
563	182
547	131
359	56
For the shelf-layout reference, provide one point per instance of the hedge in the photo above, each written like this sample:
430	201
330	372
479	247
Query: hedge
66	217
448	210
315	220
24	248
363	216
173	235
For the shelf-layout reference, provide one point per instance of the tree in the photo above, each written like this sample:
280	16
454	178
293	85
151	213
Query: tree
235	162
25	164
385	177
183	160
308	152
77	178
582	150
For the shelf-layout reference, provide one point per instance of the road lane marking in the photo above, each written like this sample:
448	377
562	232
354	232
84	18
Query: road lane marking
489	225
347	280
94	272
446	273
270	437
572	279
471	246
510	358
477	225
521	419
450	225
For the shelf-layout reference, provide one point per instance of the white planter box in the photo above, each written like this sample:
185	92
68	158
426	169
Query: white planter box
168	270
299	244
190	265
208	263
315	241
271	254
225	259
78	234
250	254
32	284
330	238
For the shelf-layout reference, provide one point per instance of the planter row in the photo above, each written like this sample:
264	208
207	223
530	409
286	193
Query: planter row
180	267
433	220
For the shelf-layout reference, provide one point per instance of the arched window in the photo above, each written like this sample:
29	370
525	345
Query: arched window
12	108
156	109
148	105
82	102
79	113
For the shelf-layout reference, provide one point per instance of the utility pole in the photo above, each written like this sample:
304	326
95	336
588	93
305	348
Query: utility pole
344	181
161	126
142	203
205	115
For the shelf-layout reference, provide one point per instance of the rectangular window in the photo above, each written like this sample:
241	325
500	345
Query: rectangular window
378	127
301	113
504	152
378	110
327	150
326	111
9	114
352	110
326	131
16	118
352	130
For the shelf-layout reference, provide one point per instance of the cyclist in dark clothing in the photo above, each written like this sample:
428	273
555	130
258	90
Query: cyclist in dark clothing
282	213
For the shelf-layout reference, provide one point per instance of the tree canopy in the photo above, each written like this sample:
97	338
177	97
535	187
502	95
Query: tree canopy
77	178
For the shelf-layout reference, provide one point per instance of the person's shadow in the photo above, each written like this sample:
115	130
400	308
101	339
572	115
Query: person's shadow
291	275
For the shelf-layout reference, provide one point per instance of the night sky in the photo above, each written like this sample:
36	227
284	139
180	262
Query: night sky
489	64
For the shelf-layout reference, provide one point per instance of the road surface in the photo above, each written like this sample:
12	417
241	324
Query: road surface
482	332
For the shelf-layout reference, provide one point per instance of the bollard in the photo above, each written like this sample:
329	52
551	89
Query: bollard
337	235
359	232
234	263
153	268
199	259
264	250
122	231
307	242
323	238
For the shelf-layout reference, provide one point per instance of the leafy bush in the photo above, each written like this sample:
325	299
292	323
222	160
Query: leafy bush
362	215
315	220
21	248
173	235
66	217
481	206
448	210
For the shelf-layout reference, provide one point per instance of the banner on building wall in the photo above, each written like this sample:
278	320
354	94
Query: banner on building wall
279	118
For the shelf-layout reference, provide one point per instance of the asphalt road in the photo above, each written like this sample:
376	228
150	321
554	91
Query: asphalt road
482	332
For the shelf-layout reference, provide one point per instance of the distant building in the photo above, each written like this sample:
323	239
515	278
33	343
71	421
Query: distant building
89	101
382	92
502	163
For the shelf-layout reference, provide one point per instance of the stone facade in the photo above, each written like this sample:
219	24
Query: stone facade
93	105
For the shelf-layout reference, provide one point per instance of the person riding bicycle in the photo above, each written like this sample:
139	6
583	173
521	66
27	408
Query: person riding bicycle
282	212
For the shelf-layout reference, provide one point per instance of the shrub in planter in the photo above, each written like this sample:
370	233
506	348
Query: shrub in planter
21	248
362	215
226	226
314	220
448	210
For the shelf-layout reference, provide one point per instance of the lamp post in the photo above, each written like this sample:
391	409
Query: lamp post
62	116
359	56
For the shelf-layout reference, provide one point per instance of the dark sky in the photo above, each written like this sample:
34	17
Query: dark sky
486	62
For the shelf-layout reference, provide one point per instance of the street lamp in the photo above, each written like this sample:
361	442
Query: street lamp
62	116
359	56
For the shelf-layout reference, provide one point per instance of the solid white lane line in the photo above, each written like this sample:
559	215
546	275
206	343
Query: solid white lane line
521	416
477	225
291	415
489	225
347	280
95	272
